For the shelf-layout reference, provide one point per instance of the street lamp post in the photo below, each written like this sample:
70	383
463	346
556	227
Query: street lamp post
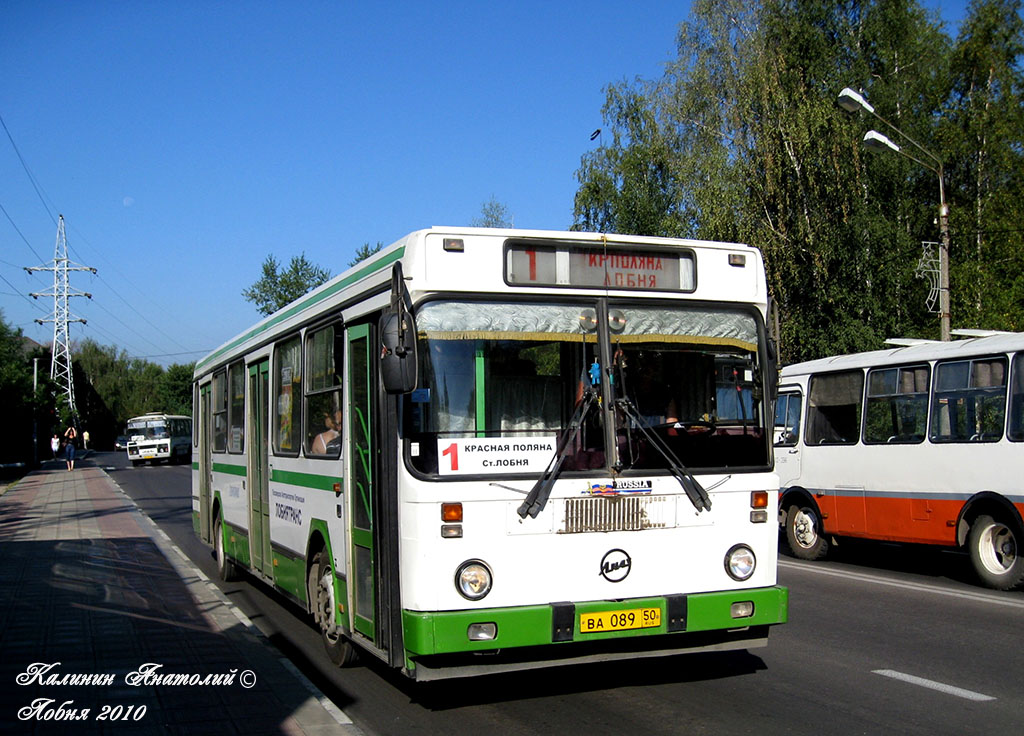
874	141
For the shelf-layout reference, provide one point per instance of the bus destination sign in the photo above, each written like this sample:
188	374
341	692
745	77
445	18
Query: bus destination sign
602	268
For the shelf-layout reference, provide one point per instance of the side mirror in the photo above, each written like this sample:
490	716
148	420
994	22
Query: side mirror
398	363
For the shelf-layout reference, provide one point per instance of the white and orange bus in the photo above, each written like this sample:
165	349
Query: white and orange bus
922	443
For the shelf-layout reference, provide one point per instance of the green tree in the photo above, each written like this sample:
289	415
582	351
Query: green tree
493	214
174	391
741	139
365	251
16	396
983	132
111	387
278	287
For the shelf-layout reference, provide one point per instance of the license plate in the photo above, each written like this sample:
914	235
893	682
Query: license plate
148	456
634	618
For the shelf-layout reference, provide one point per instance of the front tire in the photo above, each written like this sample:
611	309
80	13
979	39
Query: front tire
804	532
340	650
994	551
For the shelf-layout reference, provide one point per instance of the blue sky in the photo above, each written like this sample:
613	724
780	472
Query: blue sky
185	141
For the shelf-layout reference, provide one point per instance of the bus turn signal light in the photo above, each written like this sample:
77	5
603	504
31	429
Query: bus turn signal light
451	512
759	499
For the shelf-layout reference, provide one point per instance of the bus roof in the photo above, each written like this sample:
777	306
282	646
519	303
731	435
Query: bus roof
916	353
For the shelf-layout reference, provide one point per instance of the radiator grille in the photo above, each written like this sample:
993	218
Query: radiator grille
616	514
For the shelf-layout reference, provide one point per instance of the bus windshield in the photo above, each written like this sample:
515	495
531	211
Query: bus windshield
518	371
149	429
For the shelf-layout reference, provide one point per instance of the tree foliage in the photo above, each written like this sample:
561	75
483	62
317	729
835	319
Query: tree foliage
111	387
741	139
16	394
278	287
365	251
493	214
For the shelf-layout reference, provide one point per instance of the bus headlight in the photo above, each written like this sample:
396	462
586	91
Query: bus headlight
740	562
473	580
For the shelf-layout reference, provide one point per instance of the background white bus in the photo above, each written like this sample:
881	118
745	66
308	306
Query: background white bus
156	437
922	443
544	447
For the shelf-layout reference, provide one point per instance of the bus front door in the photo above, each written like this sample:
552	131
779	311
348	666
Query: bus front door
360	477
259	471
205	465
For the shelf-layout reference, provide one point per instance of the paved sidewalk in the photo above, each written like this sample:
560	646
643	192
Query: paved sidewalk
97	605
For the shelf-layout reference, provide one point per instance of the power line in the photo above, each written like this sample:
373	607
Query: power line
9	219
21	294
42	198
24	165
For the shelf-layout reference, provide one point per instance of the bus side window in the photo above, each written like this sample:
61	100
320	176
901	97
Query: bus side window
220	411
833	408
236	407
324	357
1016	429
287	396
969	404
897	405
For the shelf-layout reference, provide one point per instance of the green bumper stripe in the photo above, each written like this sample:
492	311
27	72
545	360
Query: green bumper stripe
444	632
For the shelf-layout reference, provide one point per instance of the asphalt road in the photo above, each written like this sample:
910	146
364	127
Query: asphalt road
882	639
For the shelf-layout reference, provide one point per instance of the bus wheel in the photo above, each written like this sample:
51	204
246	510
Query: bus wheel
341	651
225	568
803	532
994	554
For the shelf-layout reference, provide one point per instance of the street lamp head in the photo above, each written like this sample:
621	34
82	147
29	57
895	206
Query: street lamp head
876	142
853	101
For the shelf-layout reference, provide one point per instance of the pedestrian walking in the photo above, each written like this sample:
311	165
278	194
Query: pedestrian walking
85	440
69	448
55	444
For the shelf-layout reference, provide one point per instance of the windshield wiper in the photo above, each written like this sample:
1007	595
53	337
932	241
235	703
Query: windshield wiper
694	490
541	491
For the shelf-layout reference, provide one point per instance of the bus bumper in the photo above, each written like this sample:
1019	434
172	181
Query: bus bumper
438	644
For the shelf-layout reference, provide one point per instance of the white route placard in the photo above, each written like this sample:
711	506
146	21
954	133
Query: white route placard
494	455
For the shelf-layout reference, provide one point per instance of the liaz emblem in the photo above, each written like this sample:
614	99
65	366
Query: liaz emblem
615	565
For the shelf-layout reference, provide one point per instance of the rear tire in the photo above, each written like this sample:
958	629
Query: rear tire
994	549
321	588
226	569
804	532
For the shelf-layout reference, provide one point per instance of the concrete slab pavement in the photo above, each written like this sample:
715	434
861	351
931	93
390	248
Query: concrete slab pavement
105	626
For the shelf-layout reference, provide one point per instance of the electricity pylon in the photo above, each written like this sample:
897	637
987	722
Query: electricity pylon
60	365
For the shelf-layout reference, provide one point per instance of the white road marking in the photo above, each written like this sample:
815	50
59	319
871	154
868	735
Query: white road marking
920	587
932	685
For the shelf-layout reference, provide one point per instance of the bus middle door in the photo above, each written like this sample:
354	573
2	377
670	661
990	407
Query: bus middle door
361	479
259	470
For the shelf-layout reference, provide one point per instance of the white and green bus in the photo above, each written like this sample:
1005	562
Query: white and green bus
489	450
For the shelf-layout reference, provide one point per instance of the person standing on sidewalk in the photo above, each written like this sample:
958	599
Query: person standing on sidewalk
55	444
69	448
